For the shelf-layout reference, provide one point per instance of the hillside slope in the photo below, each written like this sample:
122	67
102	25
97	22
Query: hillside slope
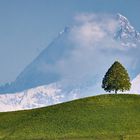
104	117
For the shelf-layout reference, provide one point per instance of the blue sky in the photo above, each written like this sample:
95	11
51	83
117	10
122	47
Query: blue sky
28	26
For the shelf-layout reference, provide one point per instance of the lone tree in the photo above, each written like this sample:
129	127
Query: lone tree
116	79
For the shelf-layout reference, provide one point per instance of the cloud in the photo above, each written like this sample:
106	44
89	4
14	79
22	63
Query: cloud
87	34
91	30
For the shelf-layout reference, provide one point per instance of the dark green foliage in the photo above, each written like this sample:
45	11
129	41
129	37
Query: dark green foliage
116	79
105	117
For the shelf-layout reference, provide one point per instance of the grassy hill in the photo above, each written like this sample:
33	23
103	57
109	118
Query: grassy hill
104	117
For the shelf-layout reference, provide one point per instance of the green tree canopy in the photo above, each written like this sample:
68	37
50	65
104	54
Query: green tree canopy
116	79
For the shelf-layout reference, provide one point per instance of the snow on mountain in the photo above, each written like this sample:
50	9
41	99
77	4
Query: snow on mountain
36	97
135	88
126	33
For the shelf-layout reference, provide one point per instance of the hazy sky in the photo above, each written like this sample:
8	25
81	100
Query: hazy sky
28	26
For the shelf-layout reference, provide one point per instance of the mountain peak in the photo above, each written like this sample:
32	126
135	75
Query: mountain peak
124	23
122	18
126	32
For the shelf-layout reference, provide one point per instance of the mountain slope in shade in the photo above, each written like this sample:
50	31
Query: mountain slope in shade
39	72
49	66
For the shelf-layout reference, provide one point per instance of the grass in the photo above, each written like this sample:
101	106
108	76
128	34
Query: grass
104	117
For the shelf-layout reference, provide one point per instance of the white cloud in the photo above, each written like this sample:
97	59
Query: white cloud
90	29
87	34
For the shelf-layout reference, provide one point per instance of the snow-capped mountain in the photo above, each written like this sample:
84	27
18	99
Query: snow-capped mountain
49	66
36	97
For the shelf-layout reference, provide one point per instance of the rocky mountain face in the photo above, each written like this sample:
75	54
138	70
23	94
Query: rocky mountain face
127	34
